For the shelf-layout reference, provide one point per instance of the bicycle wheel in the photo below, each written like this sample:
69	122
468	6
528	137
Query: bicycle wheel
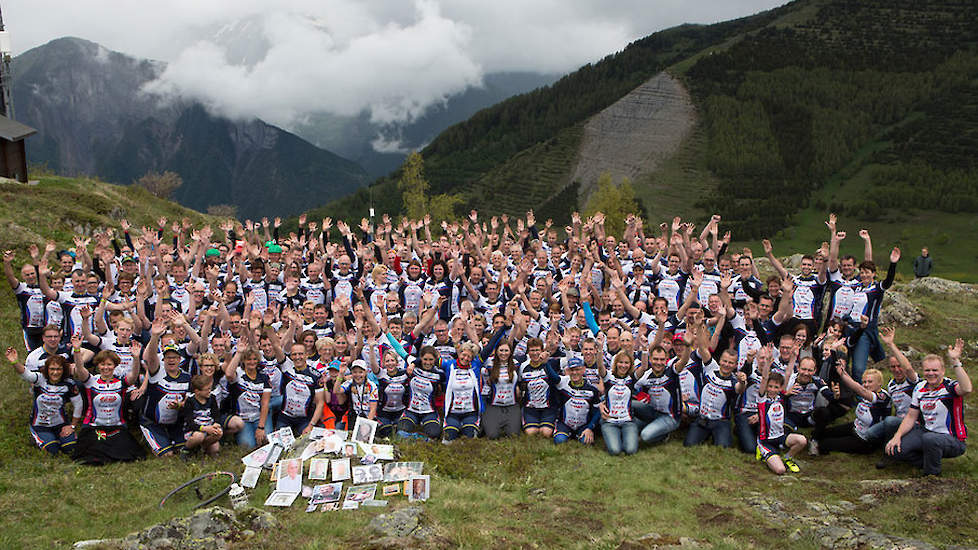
207	487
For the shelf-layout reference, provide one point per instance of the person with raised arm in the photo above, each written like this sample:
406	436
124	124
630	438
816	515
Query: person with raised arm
867	432
866	304
52	389
934	428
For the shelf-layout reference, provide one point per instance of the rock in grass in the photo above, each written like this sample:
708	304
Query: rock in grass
897	309
210	528
399	523
940	287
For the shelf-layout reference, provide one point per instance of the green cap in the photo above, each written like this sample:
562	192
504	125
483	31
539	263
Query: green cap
274	249
211	252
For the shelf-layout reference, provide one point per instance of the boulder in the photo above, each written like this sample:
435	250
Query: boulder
210	528
898	310
399	523
939	287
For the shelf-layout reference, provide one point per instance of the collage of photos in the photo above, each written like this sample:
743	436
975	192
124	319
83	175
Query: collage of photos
333	457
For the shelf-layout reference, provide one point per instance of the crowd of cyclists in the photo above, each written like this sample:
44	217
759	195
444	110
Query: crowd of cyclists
494	327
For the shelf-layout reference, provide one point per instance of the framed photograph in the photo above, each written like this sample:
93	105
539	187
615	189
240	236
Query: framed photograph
350	505
341	469
289	478
318	468
350	449
330	506
391	490
367	474
330	492
382	452
363	430
360	493
420	488
278	498
250	477
402	471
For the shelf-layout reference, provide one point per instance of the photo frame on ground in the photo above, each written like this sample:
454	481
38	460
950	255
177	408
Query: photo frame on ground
250	477
402	471
279	498
360	493
318	467
289	476
330	492
367	474
420	488
364	430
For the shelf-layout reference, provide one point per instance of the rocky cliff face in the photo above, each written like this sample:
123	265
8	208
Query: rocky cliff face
93	119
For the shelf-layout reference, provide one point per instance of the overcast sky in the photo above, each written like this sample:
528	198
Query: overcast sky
281	59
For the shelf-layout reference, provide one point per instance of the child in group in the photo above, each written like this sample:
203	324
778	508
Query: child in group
200	416
771	436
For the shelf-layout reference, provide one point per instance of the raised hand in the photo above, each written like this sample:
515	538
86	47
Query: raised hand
768	247
887	334
895	255
8	256
11	355
831	222
954	352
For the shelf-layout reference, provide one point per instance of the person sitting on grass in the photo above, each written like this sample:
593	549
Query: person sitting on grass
868	431
52	390
199	416
772	407
938	404
577	415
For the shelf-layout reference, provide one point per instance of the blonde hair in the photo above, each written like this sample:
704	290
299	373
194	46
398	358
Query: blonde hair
619	357
876	373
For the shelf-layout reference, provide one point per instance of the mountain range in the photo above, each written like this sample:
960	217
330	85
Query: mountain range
92	119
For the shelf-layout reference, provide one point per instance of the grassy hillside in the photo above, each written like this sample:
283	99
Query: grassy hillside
513	493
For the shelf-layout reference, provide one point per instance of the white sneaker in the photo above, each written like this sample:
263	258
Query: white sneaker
446	441
813	448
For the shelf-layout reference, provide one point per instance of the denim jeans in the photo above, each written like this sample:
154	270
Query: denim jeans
246	437
620	436
702	428
746	432
661	425
925	449
860	354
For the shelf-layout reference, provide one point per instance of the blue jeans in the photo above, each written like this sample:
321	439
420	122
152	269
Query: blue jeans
746	432
297	424
274	407
659	427
246	437
860	354
618	437
702	429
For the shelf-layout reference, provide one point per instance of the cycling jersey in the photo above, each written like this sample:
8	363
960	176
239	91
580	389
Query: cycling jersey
104	401
245	393
462	388
803	402
392	389
806	300
841	294
31	302
164	395
299	388
871	411
618	397
941	409
664	391
195	415
421	389
717	394
48	404
535	382
502	392
900	393
577	404
360	396
771	413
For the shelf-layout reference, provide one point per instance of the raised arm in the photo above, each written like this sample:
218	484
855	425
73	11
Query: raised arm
867	245
888	336
769	252
954	355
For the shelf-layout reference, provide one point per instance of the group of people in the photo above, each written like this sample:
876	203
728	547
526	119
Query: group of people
492	328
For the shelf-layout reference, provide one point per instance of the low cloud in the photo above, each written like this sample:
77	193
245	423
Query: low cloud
283	60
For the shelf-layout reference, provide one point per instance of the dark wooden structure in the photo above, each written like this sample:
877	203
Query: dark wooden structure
13	154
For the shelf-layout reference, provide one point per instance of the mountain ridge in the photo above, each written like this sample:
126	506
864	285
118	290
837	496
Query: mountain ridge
93	119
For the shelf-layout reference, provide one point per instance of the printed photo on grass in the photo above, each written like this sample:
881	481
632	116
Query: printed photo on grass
350	449
402	471
367	474
318	468
381	452
360	493
391	490
363	430
330	492
341	469
250	477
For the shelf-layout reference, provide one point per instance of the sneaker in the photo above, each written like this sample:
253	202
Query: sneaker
757	452
447	441
186	454
813	448
885	461
791	465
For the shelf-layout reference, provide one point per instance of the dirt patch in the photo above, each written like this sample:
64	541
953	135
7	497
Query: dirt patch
717	515
928	487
